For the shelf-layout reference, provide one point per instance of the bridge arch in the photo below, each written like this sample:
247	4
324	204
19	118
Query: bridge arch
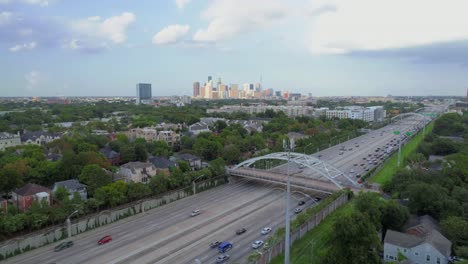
324	169
410	114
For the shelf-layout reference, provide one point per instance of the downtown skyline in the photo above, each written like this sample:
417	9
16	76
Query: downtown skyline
55	48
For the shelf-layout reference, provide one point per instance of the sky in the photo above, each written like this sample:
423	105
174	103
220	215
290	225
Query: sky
322	47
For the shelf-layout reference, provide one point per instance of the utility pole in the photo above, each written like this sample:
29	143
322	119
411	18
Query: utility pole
399	152
289	146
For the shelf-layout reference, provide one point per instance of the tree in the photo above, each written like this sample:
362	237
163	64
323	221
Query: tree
425	198
112	194
94	177
354	241
137	191
158	184
140	152
394	215
456	229
207	149
218	167
369	203
127	153
231	154
61	194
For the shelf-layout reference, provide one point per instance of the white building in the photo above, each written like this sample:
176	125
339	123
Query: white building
9	140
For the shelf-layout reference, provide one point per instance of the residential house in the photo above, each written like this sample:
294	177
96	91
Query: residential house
421	243
9	140
194	161
169	136
149	134
26	195
72	186
162	164
136	171
112	156
3	205
38	138
203	125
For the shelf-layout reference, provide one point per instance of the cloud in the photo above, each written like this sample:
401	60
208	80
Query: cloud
5	18
182	3
228	18
113	29
33	78
369	25
37	2
85	47
25	46
29	2
170	34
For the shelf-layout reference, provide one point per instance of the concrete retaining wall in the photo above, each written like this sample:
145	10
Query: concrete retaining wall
43	237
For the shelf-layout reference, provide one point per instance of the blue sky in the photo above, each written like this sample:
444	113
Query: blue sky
323	47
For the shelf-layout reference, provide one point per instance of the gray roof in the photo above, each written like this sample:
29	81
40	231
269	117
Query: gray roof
109	153
137	165
402	239
70	184
31	189
434	238
5	135
36	134
162	163
187	156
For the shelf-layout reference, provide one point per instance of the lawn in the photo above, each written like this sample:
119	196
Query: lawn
314	243
390	168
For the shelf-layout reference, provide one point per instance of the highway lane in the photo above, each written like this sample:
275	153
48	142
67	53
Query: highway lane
164	234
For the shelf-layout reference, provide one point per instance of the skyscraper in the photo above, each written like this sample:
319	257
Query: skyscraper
196	89
143	93
210	78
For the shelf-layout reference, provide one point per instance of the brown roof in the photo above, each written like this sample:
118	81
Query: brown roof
31	189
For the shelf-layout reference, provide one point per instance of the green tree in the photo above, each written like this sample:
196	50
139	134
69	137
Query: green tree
207	149
61	194
394	215
231	153
94	177
456	229
158	184
354	240
137	191
369	203
218	167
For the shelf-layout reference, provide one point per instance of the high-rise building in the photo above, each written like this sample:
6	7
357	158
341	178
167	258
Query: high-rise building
210	78
143	93
258	87
196	89
234	91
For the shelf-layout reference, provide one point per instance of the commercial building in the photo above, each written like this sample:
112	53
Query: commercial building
143	93
196	89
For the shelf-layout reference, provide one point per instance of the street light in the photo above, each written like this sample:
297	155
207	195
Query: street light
69	223
288	146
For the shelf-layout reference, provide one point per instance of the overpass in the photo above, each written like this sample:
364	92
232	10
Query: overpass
323	177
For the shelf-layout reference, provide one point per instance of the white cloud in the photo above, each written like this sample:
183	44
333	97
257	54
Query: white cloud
182	3
25	46
33	79
37	2
227	18
378	25
5	18
170	34
113	29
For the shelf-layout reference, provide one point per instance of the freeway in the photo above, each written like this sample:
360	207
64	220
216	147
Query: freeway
169	234
357	156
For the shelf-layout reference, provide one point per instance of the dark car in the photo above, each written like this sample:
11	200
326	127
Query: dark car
240	231
214	244
104	240
63	246
301	202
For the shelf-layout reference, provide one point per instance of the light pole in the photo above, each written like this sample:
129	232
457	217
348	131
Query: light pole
399	151
69	223
288	146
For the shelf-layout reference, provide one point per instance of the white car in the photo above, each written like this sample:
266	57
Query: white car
195	212
266	230
257	244
297	210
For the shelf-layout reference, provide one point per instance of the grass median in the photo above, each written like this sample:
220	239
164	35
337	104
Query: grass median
390	168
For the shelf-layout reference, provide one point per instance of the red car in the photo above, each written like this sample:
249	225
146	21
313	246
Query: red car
104	240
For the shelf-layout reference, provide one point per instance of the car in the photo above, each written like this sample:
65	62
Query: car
104	240
297	210
362	164
63	245
195	212
257	244
317	199
266	230
355	164
214	244
240	231
301	202
222	258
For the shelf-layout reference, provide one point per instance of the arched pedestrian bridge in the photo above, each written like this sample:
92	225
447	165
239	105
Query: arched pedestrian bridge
315	174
